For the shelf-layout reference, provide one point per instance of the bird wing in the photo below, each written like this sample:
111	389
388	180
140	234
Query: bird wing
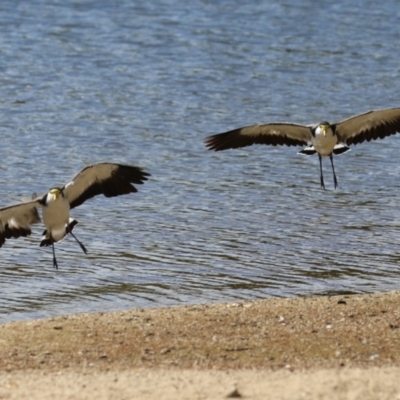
369	126
107	179
16	220
274	134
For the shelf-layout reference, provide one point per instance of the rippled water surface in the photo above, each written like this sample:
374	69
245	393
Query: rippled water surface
144	83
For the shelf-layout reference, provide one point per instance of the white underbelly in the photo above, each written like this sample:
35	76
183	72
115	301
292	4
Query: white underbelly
55	218
324	145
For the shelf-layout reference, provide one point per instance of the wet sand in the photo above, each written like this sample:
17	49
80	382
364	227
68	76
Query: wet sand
304	348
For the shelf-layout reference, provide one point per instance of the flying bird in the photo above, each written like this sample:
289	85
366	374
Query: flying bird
323	138
108	179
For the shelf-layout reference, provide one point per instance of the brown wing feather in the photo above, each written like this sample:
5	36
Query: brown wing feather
16	220
369	126
108	179
273	134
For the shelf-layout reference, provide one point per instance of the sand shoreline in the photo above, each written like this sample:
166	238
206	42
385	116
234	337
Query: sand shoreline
273	348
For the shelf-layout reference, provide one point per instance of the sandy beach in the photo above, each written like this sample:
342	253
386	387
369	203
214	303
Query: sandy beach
338	347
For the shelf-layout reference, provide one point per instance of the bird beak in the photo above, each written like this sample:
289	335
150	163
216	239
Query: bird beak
324	128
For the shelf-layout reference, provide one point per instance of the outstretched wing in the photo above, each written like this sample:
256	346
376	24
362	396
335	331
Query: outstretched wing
108	179
369	126
274	134
16	220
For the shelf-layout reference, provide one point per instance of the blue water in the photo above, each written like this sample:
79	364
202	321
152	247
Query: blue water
143	83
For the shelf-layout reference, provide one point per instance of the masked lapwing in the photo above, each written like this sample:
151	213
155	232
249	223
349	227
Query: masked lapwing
324	138
108	179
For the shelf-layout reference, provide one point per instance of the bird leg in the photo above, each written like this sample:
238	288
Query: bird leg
320	171
79	242
333	169
55	265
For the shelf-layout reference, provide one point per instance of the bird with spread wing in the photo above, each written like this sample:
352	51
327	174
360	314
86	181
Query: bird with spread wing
108	179
323	138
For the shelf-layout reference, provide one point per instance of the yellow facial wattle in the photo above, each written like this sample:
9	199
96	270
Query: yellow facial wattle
54	193
324	129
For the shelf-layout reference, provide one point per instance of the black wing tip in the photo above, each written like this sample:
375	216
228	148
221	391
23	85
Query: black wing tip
145	175
136	174
211	143
127	176
224	141
131	172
